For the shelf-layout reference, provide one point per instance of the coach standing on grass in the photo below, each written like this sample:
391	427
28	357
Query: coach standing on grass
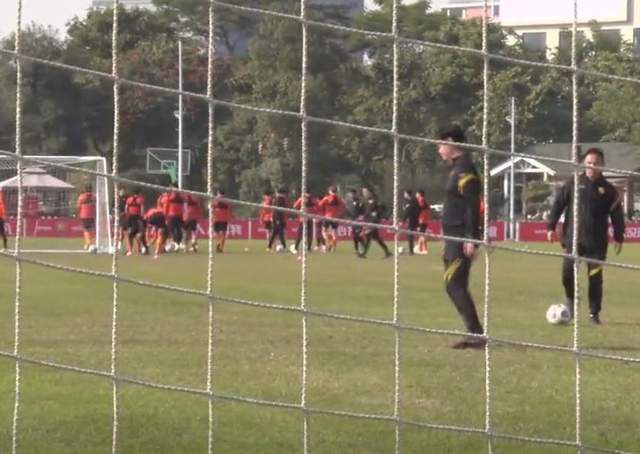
461	219
598	201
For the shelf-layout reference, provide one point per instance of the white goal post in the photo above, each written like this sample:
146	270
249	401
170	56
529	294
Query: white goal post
50	188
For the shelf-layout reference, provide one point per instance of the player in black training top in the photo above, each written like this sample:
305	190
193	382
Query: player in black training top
461	219
410	215
123	221
279	219
598	201
373	213
355	211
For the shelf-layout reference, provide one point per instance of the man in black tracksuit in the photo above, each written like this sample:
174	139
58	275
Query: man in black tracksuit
461	219
373	213
279	218
355	212
410	215
598	201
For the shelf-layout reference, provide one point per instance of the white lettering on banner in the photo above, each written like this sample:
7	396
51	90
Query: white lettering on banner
344	230
630	232
234	230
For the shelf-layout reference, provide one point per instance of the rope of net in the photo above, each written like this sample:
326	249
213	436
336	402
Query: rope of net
302	308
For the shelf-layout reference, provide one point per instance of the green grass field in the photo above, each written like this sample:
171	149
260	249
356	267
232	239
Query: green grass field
162	337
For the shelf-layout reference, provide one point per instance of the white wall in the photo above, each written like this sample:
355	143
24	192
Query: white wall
550	12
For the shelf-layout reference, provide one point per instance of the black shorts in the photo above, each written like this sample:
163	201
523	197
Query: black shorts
88	223
422	228
220	226
124	221
134	222
191	225
2	227
158	221
268	225
330	225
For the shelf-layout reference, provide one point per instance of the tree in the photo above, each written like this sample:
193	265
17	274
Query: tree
48	96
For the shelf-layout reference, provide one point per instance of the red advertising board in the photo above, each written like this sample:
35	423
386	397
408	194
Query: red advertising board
241	229
537	231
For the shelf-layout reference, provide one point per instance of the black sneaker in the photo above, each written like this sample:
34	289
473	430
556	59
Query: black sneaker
475	343
595	319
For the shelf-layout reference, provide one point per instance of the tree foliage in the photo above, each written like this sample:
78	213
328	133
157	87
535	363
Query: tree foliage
349	79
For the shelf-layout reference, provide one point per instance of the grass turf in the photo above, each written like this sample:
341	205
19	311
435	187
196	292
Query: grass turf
162	337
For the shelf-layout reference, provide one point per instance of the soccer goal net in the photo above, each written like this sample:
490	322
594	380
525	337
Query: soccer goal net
73	173
50	187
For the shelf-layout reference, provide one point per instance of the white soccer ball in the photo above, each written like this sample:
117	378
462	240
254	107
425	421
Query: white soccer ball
558	314
400	250
93	249
279	248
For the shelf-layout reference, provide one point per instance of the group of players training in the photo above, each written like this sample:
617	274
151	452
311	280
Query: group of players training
175	216
362	207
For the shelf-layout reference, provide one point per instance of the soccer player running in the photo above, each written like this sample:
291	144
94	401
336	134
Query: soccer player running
279	219
332	207
599	201
373	213
86	208
410	215
175	211
355	212
221	217
309	202
423	221
266	213
3	234
156	221
461	219
134	209
192	213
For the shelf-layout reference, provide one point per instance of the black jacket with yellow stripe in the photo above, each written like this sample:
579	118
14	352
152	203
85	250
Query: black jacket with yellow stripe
461	211
599	202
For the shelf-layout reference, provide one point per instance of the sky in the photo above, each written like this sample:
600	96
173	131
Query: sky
53	13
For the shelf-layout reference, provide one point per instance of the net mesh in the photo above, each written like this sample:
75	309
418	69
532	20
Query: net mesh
305	312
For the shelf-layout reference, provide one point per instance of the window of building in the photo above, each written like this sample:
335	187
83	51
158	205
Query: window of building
636	42
458	13
535	41
609	40
565	39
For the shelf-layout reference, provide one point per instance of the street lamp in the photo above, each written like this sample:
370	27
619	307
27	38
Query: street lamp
512	121
180	114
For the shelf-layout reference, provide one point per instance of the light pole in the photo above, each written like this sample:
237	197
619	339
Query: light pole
180	114
512	121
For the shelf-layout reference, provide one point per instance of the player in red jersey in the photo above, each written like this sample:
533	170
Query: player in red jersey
266	213
86	207
134	208
333	207
157	227
174	212
310	204
423	222
221	216
192	213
